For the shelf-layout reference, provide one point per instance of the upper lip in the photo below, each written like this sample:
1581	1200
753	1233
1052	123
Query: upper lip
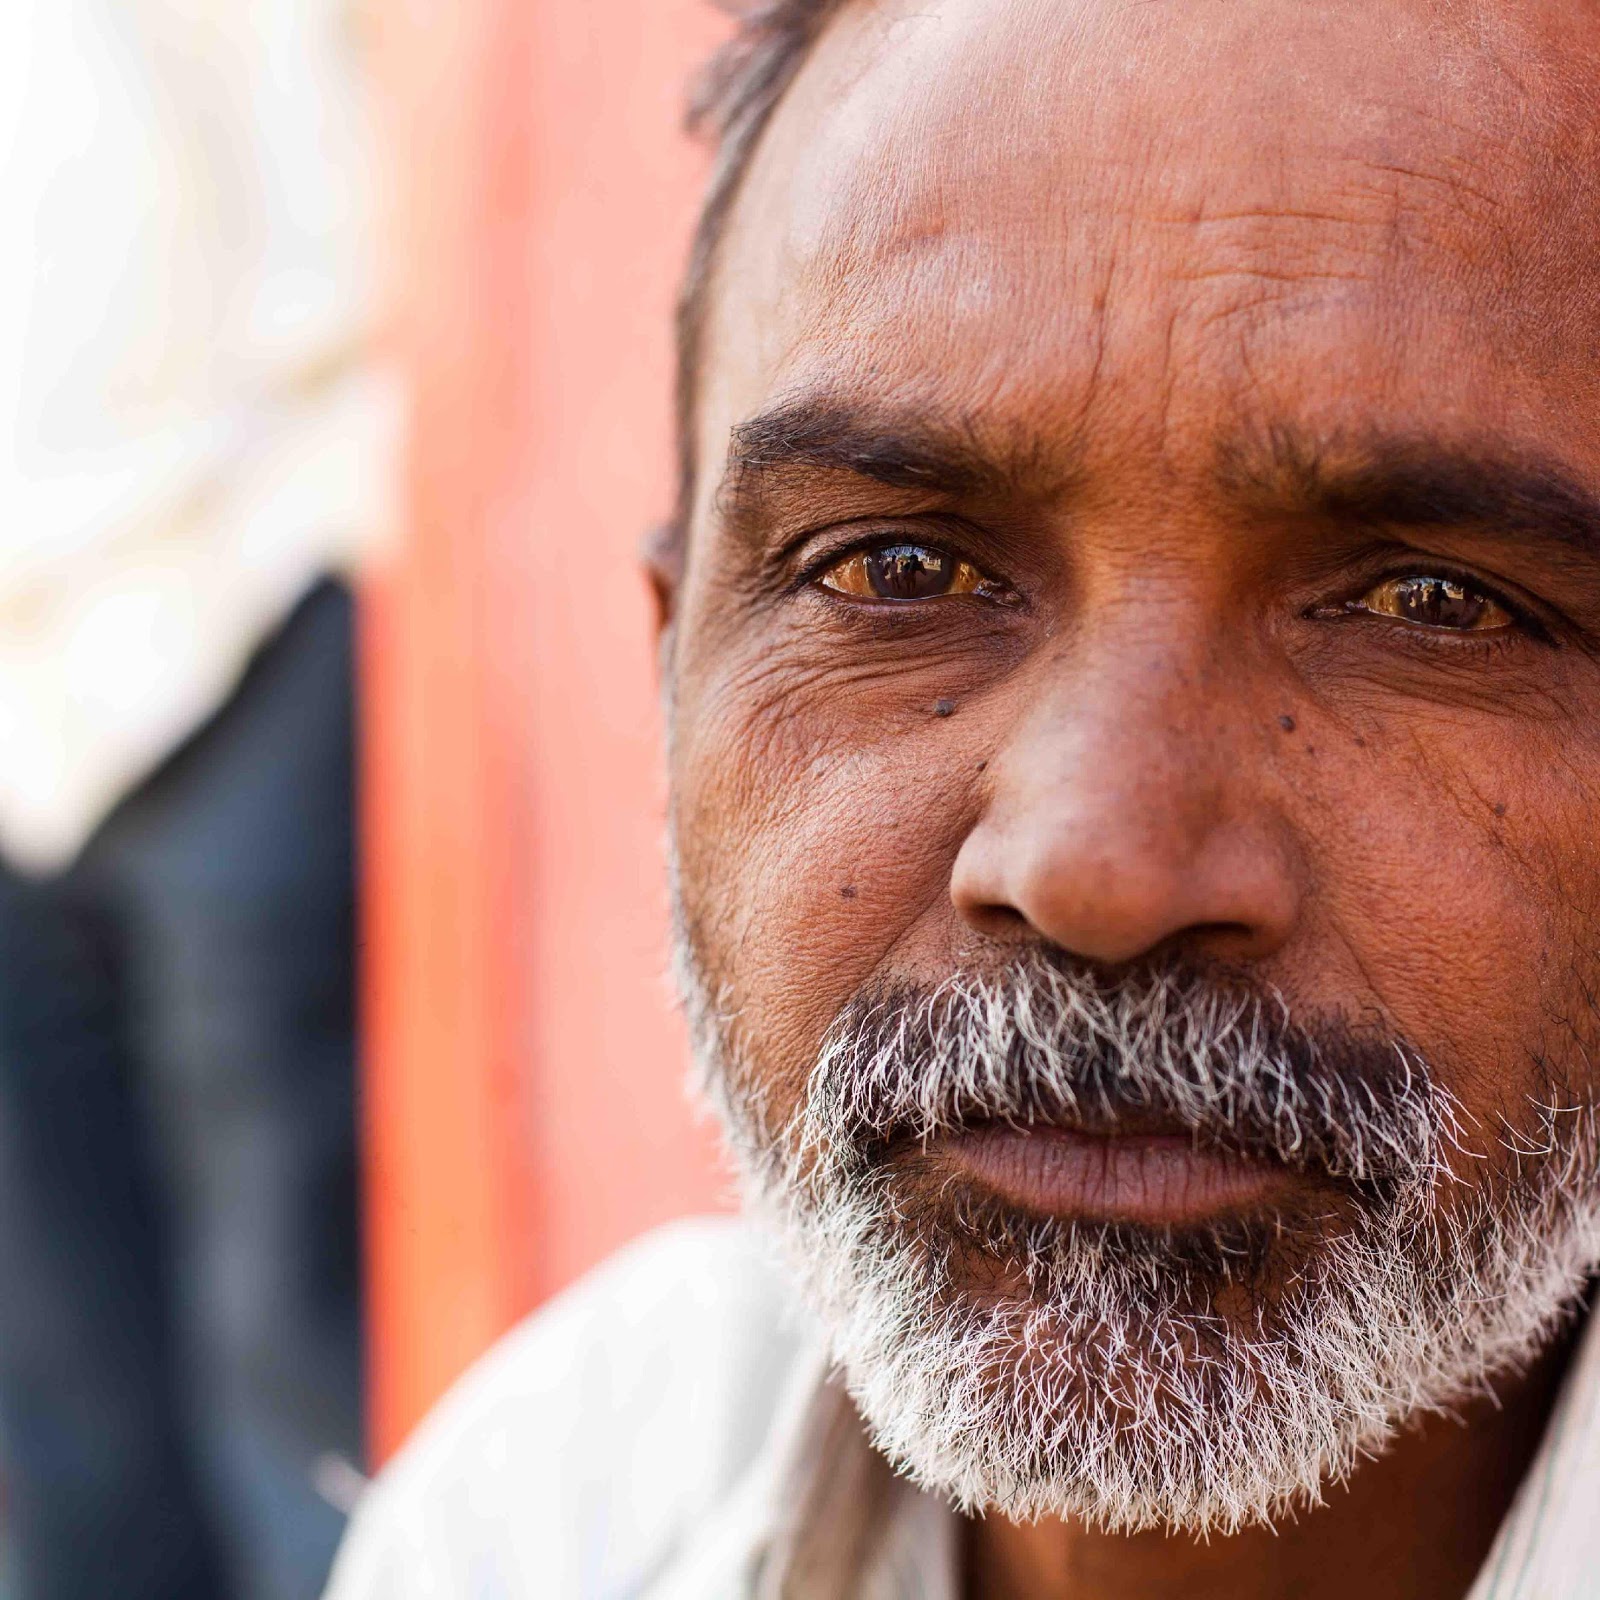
1142	1124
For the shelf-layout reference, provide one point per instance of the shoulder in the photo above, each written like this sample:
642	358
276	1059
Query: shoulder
585	1446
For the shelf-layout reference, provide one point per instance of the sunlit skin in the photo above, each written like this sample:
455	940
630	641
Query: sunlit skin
1149	502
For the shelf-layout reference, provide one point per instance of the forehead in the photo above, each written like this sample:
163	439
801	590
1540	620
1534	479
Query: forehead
1134	215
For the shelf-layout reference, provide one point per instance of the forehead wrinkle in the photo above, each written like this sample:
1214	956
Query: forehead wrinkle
1328	211
896	144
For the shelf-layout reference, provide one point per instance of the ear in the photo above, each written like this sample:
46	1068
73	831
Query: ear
662	554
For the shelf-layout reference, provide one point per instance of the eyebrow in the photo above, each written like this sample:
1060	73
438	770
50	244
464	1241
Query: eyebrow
1418	483
901	449
1406	482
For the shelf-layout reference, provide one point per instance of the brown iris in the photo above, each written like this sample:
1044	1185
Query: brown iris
1433	601
904	572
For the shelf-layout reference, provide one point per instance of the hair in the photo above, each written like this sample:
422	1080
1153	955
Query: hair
731	103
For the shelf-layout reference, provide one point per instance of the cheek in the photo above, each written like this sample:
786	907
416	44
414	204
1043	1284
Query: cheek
1462	880
816	825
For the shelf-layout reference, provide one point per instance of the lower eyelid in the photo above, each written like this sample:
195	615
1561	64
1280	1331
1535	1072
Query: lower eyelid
1401	635
1398	633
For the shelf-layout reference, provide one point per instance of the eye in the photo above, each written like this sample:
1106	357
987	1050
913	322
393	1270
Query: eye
1435	601
904	572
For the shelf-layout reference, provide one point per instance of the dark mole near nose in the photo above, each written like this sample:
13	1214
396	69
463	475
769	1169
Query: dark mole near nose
1286	723
943	708
1500	809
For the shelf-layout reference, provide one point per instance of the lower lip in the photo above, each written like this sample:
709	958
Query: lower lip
1155	1179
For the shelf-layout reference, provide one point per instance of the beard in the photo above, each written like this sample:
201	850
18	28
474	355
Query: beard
1199	1378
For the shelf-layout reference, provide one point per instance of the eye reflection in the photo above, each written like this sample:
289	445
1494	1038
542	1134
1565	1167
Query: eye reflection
1434	601
904	572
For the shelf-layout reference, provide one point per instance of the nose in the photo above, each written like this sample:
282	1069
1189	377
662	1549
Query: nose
1122	824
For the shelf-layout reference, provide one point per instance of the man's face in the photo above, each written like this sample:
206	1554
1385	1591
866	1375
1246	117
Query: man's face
1147	632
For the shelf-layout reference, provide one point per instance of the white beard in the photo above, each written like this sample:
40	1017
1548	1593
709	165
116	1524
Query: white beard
1114	1390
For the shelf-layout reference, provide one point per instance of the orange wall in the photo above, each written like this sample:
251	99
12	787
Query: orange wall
523	1112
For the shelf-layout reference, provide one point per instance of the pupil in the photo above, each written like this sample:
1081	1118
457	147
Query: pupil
1440	603
908	572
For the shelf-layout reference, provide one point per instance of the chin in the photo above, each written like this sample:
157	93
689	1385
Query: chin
1201	1379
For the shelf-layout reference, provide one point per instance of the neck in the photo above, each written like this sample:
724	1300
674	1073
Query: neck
1416	1524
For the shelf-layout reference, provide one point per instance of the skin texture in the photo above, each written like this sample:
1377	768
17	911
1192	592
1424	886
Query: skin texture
1187	327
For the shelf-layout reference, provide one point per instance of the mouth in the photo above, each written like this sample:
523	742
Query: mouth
1154	1178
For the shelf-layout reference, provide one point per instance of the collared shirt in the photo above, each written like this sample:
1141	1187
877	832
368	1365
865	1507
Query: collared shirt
670	1430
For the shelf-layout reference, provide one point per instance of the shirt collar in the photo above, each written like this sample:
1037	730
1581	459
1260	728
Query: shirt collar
819	1515
1548	1547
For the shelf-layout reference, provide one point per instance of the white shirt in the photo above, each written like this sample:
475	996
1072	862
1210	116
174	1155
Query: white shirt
669	1430
191	431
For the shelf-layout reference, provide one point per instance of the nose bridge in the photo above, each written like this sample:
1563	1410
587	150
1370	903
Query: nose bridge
1133	726
1128	805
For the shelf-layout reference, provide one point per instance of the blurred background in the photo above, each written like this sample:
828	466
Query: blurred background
334	1028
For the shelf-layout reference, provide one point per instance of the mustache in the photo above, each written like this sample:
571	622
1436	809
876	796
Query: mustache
1048	1041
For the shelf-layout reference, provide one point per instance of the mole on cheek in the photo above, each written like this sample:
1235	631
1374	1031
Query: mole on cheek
943	708
1286	722
848	892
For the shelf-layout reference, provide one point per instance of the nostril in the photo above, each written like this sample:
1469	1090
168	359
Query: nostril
1219	942
997	918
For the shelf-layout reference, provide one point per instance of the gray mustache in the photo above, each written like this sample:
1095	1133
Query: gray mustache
1045	1042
